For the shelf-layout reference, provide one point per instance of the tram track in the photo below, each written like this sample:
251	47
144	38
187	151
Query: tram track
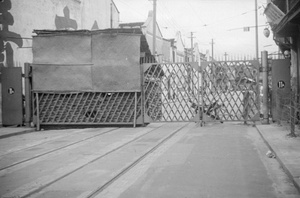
132	165
37	142
48	152
39	184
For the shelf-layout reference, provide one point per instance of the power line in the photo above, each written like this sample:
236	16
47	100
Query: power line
166	11
135	11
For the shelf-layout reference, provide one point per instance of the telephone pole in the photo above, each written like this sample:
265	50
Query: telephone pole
256	32
212	49
192	46
111	15
225	56
154	27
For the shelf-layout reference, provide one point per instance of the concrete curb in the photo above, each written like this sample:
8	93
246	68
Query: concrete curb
17	133
287	171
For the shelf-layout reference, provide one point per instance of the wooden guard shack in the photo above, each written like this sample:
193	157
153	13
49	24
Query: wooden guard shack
88	77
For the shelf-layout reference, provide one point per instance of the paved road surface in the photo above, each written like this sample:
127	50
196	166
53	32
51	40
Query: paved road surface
160	160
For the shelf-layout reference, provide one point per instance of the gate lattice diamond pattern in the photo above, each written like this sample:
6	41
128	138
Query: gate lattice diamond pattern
234	87
226	91
75	108
167	91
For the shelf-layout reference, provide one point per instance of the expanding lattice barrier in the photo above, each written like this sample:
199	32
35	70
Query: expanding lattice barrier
77	108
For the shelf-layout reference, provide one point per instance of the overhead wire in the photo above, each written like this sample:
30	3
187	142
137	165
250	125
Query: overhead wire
164	11
135	11
193	10
167	17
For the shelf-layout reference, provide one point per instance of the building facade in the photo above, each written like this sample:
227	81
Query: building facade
162	53
18	19
284	19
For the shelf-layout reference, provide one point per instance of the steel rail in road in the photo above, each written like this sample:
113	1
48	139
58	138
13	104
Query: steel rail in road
95	192
48	152
35	187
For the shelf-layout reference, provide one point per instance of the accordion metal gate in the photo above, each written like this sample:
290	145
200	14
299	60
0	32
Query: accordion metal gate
168	90
87	108
172	92
218	90
231	90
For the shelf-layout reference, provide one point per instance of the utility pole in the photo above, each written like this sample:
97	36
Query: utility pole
111	15
192	46
154	27
225	56
256	31
212	49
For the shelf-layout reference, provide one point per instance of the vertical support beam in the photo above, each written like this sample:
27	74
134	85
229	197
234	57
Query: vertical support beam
202	95
135	109
246	96
258	90
142	95
295	85
38	127
27	95
264	56
295	44
199	92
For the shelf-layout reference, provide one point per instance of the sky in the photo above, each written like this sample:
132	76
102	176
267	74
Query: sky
220	20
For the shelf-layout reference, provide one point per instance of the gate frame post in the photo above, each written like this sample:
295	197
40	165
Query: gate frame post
142	94
135	109
38	124
27	71
201	115
265	71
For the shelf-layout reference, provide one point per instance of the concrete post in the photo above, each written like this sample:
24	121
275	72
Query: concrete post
265	70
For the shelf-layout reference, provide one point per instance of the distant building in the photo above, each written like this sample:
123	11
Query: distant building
163	46
179	48
167	50
199	57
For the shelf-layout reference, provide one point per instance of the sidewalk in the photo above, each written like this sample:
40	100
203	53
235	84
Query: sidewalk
12	131
286	149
